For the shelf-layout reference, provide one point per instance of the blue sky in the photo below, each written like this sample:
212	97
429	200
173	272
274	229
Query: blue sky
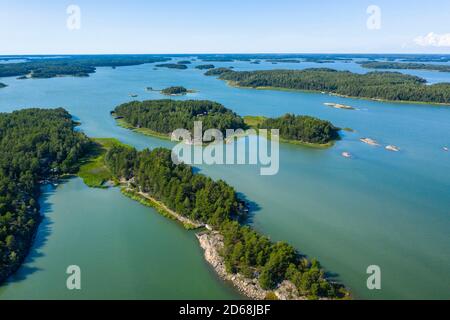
212	26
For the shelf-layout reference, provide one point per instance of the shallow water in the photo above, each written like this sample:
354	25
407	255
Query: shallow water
383	208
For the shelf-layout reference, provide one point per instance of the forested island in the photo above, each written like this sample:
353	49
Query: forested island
217	71
36	145
298	129
205	66
184	62
2	85
404	65
172	66
161	117
392	86
78	66
173	91
40	145
164	116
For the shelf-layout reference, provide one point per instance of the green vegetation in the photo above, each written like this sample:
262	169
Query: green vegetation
391	86
36	145
217	71
184	62
205	66
254	121
93	169
2	85
199	198
172	66
141	130
404	65
165	116
283	60
302	128
178	90
79	66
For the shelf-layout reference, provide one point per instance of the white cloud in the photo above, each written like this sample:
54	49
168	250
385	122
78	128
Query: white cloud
433	40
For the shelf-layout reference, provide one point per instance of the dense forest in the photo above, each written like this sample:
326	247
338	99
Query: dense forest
404	65
35	144
302	128
205	66
80	66
165	116
2	85
217	71
216	203
172	66
392	86
184	62
174	90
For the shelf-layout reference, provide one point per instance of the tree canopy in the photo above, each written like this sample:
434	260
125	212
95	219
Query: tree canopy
302	128
392	86
80	66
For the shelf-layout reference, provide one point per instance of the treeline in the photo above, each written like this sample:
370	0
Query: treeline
184	62
205	66
172	66
202	199
35	144
375	85
80	66
217	71
165	116
177	186
404	65
302	128
174	90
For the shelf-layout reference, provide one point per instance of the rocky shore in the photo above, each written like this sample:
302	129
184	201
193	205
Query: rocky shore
212	242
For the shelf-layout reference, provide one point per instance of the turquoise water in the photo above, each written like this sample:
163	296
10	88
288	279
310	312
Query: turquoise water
383	208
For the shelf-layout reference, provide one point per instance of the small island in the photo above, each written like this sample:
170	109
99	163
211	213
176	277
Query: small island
302	130
176	91
205	66
339	106
80	66
172	66
184	62
2	85
382	86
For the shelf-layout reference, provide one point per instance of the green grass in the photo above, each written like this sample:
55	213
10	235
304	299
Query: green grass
254	121
93	169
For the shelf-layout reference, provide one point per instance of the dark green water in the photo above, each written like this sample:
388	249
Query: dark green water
382	208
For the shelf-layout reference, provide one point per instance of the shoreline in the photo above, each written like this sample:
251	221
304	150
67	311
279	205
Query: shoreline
235	85
212	242
146	199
